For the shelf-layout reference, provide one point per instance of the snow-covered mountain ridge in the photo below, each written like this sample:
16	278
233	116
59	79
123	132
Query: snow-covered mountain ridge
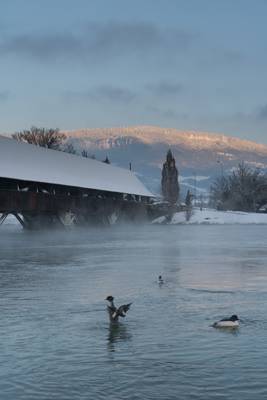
197	154
111	137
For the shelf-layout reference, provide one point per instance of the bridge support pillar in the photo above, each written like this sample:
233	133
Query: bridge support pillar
3	217
21	220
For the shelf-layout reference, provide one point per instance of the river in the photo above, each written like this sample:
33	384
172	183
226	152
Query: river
56	342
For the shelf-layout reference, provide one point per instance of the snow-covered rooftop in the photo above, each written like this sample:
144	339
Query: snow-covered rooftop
32	163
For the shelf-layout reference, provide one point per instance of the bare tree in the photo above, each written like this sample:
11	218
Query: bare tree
49	138
220	194
69	148
244	190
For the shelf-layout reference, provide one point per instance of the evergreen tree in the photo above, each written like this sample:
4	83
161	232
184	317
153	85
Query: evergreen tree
188	203
85	154
169	180
106	161
188	199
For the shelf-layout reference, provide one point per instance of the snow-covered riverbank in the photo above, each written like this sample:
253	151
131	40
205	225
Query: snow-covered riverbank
208	216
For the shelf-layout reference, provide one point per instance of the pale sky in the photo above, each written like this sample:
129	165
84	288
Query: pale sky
186	64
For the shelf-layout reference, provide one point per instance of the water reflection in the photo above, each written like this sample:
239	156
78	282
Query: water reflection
230	331
117	333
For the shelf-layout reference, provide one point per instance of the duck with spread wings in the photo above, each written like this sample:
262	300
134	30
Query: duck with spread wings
114	312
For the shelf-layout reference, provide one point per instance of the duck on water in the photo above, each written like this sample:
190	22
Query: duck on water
232	322
114	312
121	311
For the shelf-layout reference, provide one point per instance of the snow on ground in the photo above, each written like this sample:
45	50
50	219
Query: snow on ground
206	216
210	217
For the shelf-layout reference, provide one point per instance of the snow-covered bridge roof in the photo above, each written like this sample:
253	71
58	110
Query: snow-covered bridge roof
32	163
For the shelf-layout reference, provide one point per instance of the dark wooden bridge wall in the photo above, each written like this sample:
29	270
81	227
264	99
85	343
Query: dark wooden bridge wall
36	205
29	202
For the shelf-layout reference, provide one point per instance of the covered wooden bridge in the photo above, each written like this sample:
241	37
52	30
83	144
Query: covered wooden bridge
47	188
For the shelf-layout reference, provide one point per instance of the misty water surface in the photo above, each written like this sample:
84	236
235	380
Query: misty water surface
55	338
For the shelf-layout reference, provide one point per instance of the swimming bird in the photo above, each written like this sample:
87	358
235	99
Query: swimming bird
160	280
114	312
232	322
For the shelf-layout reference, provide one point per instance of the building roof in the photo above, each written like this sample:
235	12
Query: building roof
36	164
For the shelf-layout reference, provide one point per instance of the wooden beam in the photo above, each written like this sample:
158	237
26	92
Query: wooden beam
21	221
3	217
